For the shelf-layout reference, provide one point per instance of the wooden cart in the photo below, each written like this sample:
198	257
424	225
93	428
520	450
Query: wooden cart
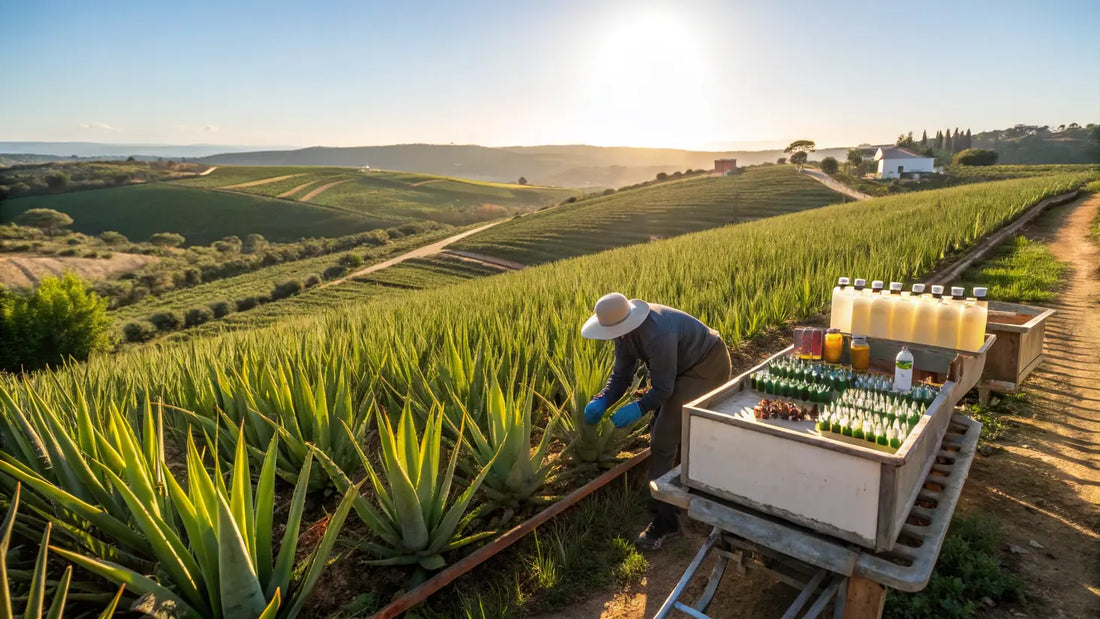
1020	331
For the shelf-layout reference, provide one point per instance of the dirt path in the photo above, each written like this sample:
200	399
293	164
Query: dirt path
419	252
1042	480
433	180
25	270
298	188
208	171
835	185
489	260
320	190
262	181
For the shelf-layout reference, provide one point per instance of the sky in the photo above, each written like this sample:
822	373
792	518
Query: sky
706	74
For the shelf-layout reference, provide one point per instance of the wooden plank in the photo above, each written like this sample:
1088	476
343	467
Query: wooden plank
865	599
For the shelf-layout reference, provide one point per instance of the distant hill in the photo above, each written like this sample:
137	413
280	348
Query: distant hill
561	166
42	152
1033	144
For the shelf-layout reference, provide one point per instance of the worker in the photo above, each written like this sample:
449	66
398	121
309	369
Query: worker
685	359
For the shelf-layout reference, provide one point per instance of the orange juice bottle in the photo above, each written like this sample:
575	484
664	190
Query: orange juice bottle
834	346
860	353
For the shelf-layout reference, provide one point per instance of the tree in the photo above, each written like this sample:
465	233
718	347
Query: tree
829	165
60	320
167	239
855	157
947	145
781	160
57	181
110	237
968	140
939	141
924	138
904	141
521	181
662	176
799	158
254	243
45	219
975	157
800	146
956	141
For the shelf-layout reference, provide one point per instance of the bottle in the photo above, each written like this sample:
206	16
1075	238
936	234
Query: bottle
905	311
947	319
841	318
924	326
973	320
834	345
882	311
859	353
861	309
903	370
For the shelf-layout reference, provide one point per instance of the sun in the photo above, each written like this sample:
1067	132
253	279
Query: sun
648	83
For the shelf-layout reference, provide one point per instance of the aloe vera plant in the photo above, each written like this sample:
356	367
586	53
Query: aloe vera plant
221	561
416	520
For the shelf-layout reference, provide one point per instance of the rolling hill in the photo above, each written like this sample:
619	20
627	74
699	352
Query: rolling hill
647	213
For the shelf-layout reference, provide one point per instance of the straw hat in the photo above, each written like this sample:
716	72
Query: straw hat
615	317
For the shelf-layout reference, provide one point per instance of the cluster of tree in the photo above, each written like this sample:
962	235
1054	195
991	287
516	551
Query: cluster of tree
59	177
1043	144
799	151
57	321
975	157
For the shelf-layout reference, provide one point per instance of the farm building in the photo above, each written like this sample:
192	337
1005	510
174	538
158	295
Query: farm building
364	169
898	162
725	166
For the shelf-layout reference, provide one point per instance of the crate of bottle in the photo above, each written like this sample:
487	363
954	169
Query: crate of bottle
782	450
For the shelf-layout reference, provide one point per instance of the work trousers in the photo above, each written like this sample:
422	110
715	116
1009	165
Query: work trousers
664	440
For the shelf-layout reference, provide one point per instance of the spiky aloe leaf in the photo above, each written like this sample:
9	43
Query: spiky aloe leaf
134	581
240	590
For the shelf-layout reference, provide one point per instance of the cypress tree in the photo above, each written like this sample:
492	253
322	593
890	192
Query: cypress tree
956	141
924	138
969	140
939	140
947	146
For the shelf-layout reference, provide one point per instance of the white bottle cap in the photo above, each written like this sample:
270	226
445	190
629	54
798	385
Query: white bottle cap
843	281
980	292
958	291
937	289
918	288
895	286
877	284
861	282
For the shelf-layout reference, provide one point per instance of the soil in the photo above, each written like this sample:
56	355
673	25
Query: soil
25	270
298	188
320	190
1041	480
262	181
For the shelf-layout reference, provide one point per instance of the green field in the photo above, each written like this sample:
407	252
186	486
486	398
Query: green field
202	217
644	214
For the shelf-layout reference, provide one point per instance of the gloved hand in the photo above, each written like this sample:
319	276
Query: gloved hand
627	415
595	409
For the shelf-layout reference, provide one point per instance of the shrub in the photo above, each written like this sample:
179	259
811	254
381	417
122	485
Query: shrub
197	316
975	157
220	308
45	219
167	321
254	243
829	165
167	239
312	281
192	276
73	240
58	320
91	254
350	261
334	271
246	303
662	176
68	251
107	255
139	331
285	289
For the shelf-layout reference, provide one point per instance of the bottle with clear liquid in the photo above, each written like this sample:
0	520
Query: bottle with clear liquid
882	312
905	311
975	313
903	370
842	306
861	308
924	321
948	315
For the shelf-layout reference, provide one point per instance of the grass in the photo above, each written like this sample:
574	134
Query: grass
640	215
961	175
1022	271
202	217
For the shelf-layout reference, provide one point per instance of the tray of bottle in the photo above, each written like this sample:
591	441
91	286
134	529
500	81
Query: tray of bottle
851	488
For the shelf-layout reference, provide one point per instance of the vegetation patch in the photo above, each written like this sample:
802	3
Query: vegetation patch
1022	271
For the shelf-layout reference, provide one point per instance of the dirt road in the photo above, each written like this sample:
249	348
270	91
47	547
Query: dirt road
262	181
297	189
835	185
24	270
320	190
419	252
208	171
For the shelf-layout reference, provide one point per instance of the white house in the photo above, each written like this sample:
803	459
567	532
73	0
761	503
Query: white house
894	162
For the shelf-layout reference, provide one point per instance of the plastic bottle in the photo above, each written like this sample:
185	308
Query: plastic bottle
903	370
975	313
905	312
924	322
841	317
834	344
882	311
947	319
861	308
859	353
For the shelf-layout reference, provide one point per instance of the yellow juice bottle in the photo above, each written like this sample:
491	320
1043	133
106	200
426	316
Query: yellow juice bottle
905	311
882	312
861	308
948	313
841	315
924	318
973	321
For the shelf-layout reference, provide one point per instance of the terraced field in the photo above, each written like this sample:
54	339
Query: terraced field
644	214
201	216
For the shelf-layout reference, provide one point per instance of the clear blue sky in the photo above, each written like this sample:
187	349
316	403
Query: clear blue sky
695	74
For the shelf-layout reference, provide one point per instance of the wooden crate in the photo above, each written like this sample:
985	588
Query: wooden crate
1020	331
854	492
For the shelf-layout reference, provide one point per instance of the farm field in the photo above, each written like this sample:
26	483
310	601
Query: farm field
637	215
411	357
202	217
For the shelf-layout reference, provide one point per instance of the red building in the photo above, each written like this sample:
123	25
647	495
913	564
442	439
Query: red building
725	166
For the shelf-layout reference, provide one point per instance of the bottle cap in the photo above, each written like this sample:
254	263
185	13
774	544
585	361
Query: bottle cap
958	291
980	292
843	281
937	289
895	286
860	282
918	288
832	330
876	285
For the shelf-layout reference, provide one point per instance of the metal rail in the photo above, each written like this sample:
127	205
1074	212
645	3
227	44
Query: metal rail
819	565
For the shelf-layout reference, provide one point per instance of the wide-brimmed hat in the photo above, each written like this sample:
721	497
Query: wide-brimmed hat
615	316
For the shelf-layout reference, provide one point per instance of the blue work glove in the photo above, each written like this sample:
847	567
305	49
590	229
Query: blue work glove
627	415
595	409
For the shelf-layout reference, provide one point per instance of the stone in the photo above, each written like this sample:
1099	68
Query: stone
988	602
1017	550
1035	544
985	450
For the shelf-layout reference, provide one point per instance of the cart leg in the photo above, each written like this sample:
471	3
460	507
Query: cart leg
983	396
865	599
670	602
